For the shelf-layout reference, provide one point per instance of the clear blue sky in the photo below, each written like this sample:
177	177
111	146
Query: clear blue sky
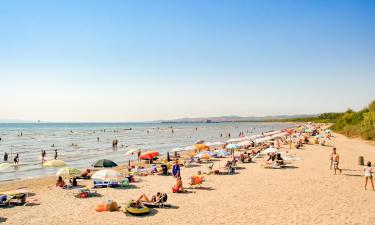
145	60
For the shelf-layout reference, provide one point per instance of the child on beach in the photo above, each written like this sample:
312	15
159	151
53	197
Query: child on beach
368	175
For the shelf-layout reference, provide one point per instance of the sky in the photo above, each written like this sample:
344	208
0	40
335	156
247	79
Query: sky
103	61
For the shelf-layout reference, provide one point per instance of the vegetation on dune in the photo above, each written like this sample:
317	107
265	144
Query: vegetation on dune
349	123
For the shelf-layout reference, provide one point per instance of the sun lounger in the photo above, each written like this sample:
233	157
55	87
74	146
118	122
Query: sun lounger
103	184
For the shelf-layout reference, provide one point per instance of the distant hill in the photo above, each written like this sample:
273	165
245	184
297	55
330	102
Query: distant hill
236	118
16	121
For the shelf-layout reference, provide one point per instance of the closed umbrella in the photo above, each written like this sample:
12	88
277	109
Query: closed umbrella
54	163
105	163
107	175
68	171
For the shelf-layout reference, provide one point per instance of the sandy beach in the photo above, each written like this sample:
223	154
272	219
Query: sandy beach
305	193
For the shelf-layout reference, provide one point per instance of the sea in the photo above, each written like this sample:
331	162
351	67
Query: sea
77	143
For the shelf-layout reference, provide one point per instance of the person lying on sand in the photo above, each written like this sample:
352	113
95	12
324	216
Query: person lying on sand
154	198
60	183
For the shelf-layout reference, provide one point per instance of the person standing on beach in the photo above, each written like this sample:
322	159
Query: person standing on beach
16	159
55	153
176	170
42	156
368	175
5	157
335	159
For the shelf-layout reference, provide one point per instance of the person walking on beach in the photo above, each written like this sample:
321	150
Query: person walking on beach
5	157
16	159
368	175
55	153
335	158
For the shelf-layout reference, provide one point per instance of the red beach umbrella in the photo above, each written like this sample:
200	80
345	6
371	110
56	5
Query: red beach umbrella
149	155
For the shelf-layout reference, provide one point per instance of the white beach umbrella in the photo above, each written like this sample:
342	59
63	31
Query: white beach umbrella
245	143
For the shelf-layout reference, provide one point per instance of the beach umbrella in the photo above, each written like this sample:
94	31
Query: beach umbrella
205	154
132	151
222	153
149	155
308	130
68	171
107	175
178	150
201	147
54	163
271	150
4	166
245	143
104	163
233	146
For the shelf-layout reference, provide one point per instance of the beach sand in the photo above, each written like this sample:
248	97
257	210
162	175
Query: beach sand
307	193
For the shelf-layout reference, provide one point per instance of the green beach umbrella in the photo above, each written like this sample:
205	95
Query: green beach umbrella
105	163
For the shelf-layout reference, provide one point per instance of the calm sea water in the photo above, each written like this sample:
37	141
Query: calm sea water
148	136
